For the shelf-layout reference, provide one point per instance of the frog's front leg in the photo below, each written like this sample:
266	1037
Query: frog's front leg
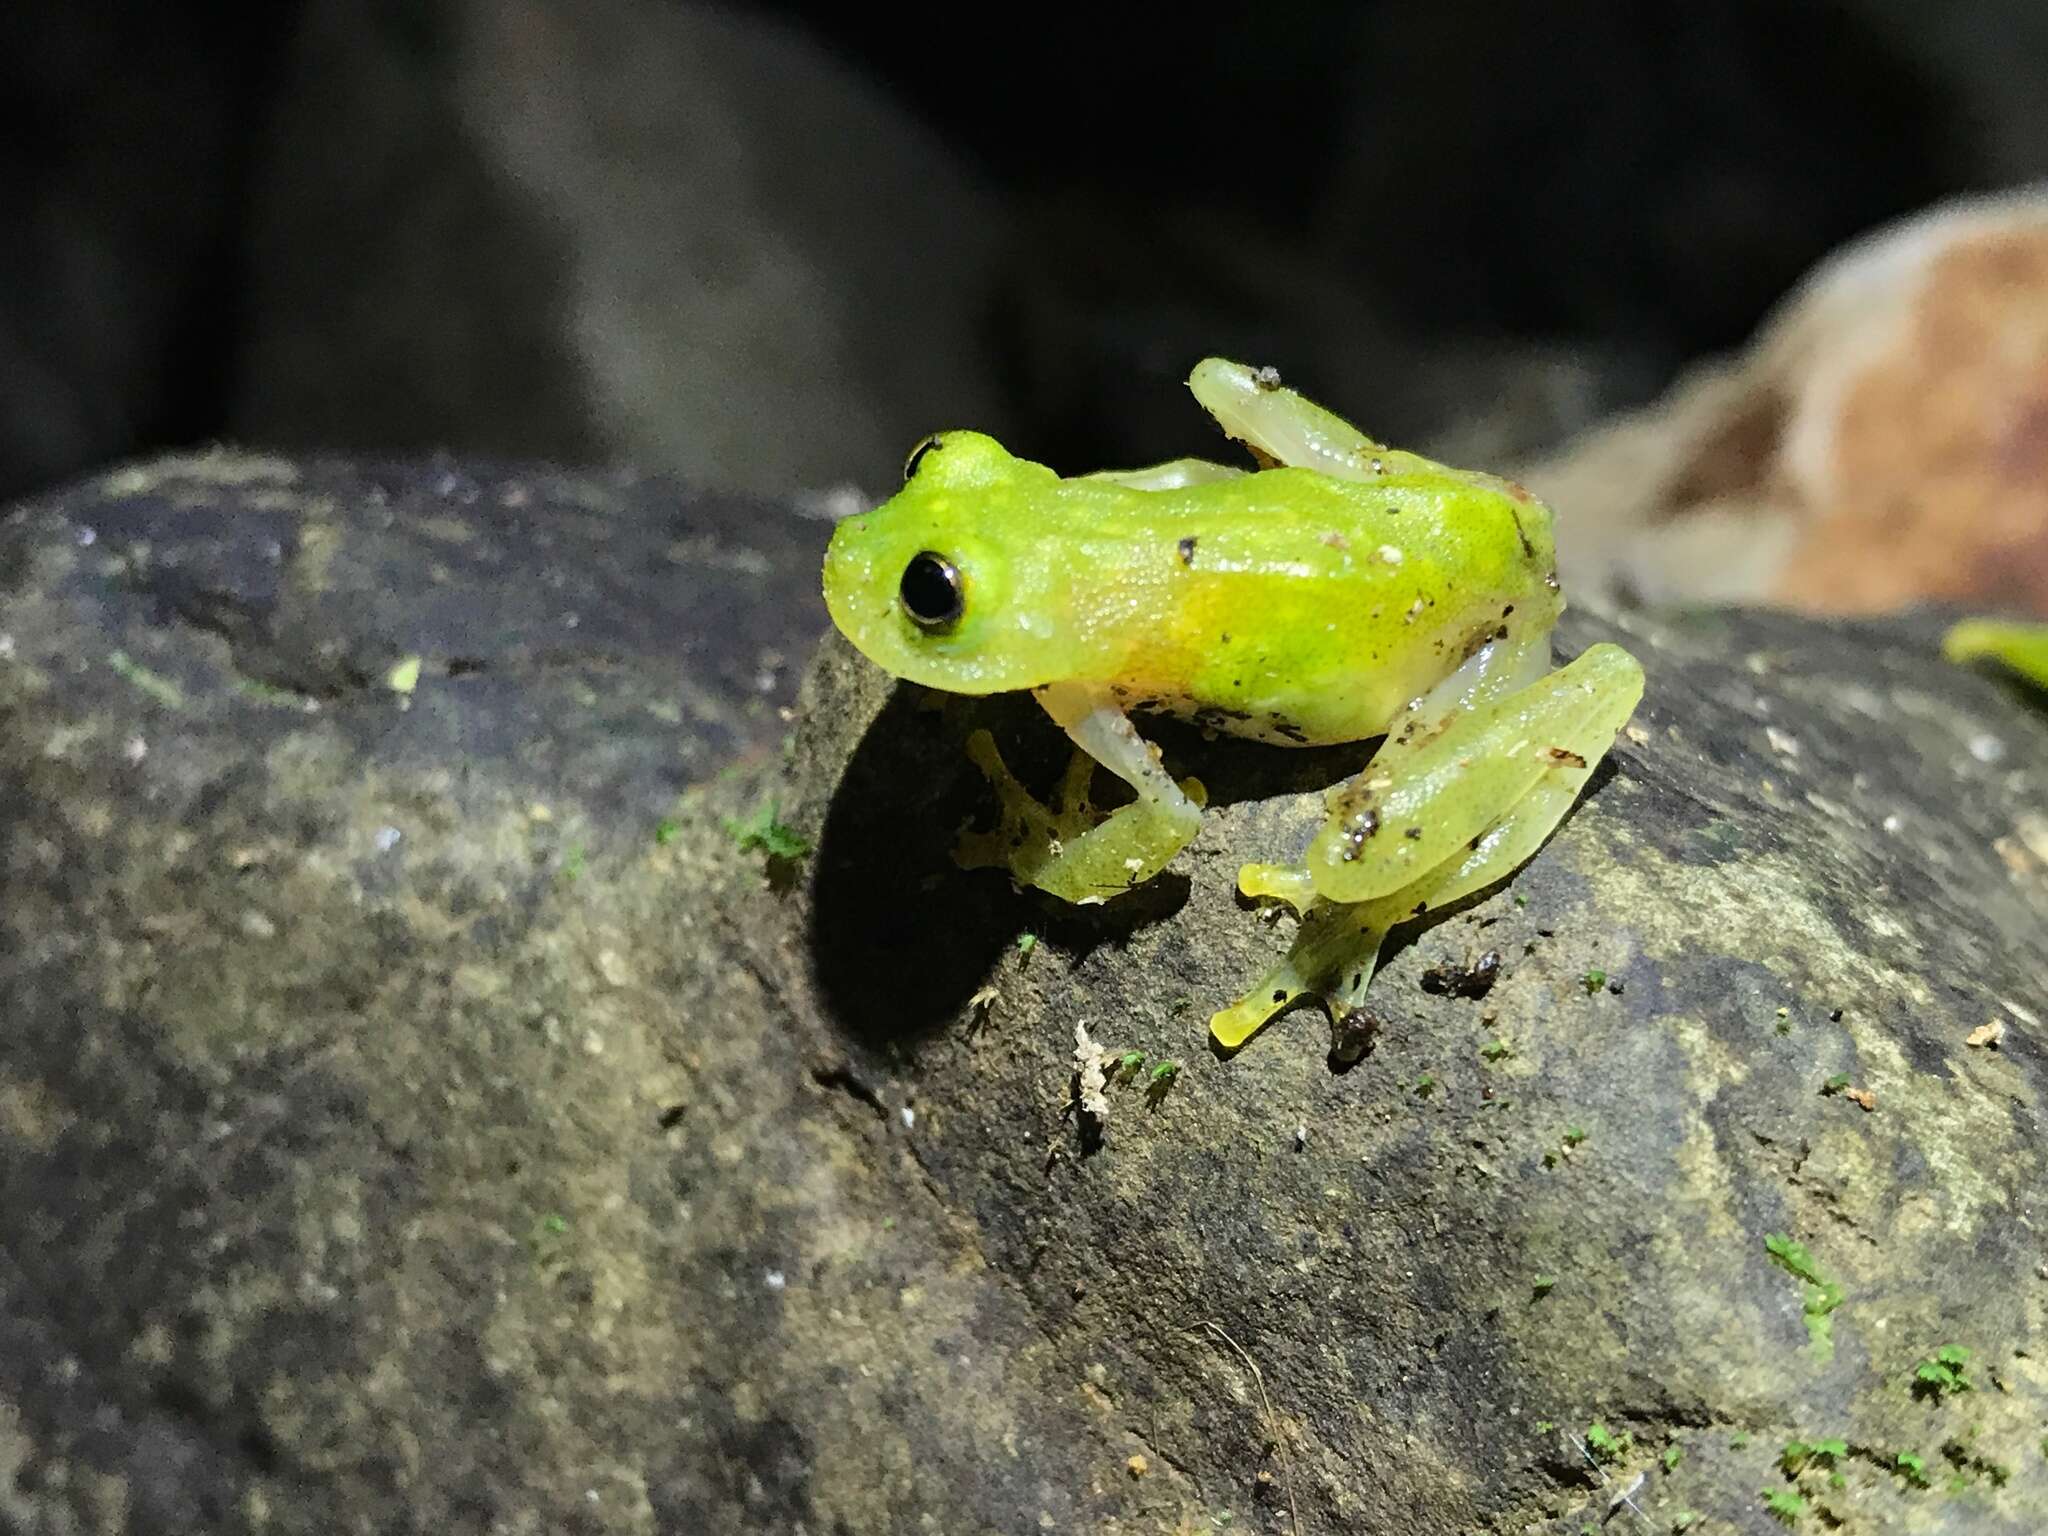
1070	850
1433	818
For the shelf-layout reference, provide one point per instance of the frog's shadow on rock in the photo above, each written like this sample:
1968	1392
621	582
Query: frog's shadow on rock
901	936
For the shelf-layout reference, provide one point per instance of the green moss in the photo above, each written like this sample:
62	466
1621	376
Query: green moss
1941	1375
1164	1076
1605	1444
1822	1294
1798	1455
766	832
1783	1504
139	677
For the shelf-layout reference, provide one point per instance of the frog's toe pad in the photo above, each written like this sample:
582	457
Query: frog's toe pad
1332	959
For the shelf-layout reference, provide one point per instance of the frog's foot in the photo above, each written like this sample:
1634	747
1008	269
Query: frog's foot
1071	850
1335	951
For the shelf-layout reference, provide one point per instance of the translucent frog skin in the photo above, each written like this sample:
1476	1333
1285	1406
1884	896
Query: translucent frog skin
1342	591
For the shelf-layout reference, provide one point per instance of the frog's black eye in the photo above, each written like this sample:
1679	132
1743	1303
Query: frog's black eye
917	456
931	593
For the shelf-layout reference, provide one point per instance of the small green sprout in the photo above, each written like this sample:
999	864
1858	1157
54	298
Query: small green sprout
1673	1455
1425	1085
1798	1455
1545	1426
765	832
1496	1049
1163	1078
1822	1294
1684	1521
1943	1373
1127	1065
1738	1440
1543	1285
1605	1444
1593	981
574	862
1026	942
1521	900
139	677
1574	1135
1784	1504
665	832
1912	1466
1835	1084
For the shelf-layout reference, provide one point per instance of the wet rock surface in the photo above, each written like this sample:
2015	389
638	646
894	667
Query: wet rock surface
419	1110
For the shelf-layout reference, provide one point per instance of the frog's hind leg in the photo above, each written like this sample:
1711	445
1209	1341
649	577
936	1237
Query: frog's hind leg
1338	942
1419	802
1070	851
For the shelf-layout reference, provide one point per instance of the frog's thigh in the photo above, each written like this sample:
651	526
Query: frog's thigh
1279	424
1170	476
1390	825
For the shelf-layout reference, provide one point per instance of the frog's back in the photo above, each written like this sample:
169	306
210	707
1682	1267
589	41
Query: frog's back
1292	606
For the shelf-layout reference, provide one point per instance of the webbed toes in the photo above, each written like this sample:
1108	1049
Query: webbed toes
1073	851
1334	953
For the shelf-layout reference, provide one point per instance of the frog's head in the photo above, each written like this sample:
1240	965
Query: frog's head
937	584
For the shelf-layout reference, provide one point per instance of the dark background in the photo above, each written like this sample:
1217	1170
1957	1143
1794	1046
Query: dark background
769	246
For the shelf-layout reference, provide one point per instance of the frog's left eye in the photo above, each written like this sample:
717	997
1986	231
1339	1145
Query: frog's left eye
917	456
931	592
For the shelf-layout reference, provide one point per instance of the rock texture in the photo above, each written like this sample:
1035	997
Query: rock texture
420	1111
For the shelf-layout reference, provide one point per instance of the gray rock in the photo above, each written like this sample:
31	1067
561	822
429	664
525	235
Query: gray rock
559	1163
